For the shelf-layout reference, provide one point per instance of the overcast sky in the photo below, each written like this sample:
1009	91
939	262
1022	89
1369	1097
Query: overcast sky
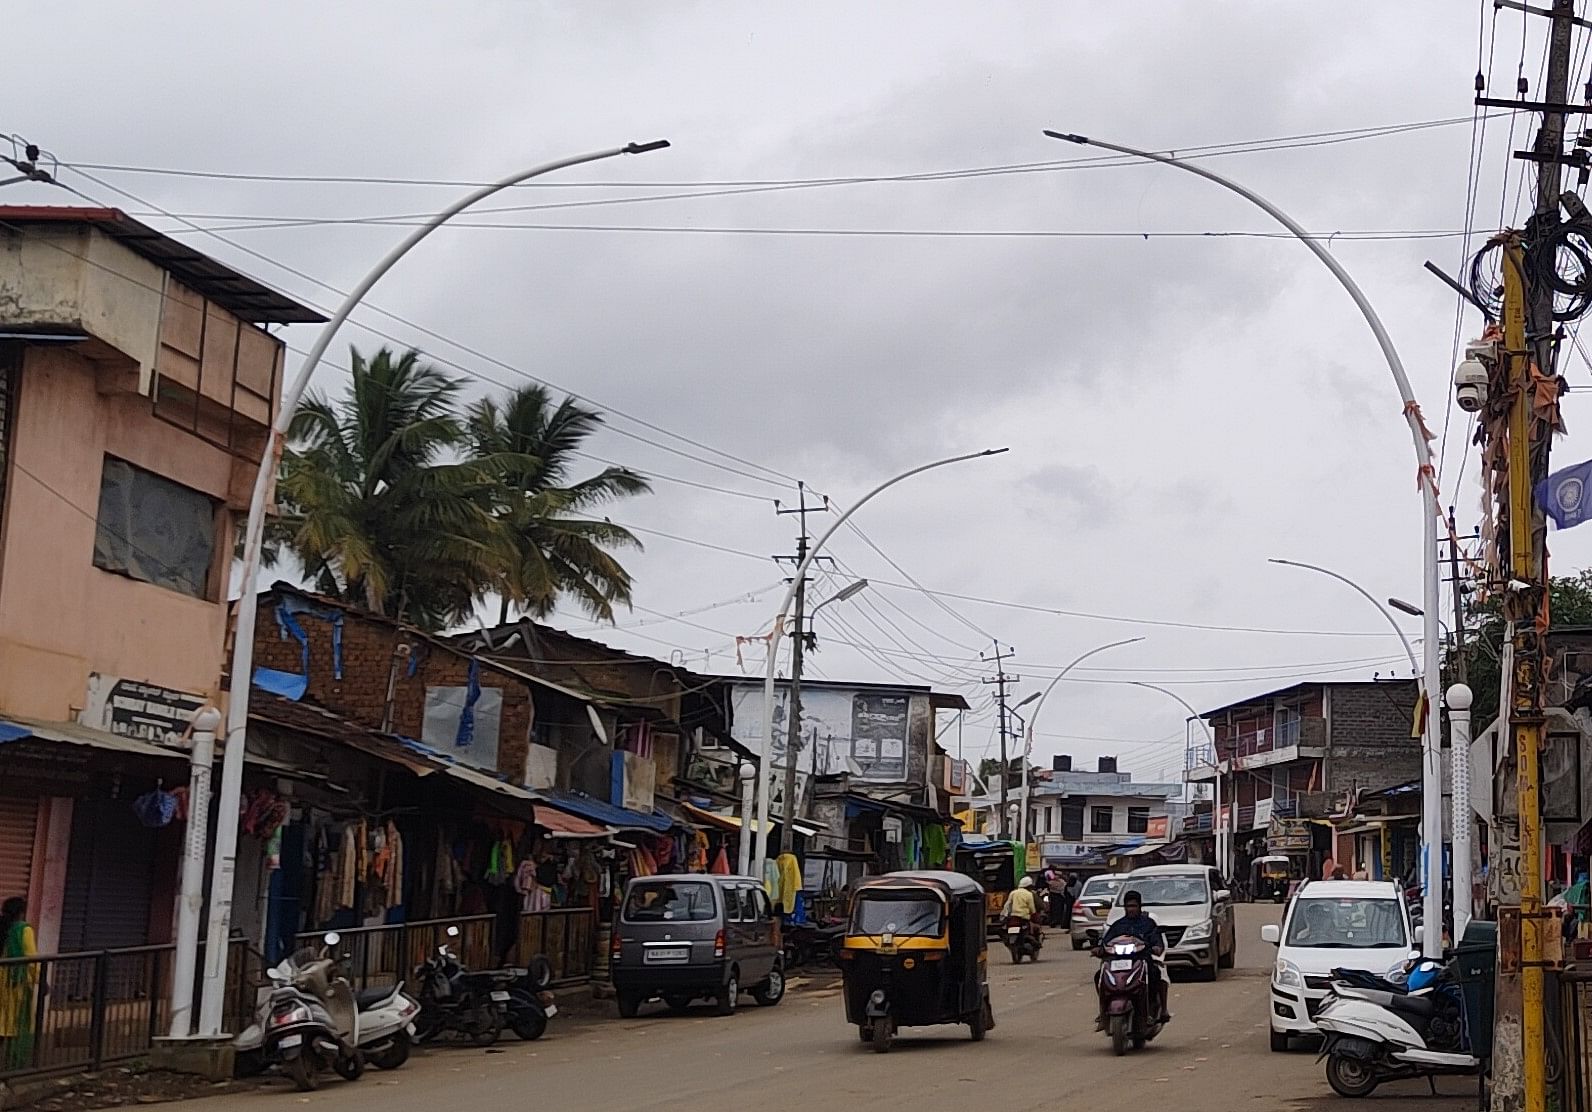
1178	408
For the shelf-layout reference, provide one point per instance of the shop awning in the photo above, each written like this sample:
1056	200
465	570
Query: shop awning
1140	851
733	822
562	824
608	814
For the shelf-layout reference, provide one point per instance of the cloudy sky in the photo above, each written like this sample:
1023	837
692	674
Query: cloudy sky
1179	407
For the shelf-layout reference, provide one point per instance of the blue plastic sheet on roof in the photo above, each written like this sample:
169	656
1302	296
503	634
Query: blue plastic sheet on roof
289	685
606	813
10	731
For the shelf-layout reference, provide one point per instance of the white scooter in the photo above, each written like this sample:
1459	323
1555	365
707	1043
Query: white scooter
1374	1036
379	1023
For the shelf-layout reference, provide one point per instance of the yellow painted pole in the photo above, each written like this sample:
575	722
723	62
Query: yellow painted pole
1525	711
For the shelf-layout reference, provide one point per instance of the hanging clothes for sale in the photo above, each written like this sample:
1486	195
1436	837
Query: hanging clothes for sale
790	881
348	866
721	863
771	879
696	857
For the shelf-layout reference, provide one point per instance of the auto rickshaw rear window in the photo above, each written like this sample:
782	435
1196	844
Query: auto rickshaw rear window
670	901
900	915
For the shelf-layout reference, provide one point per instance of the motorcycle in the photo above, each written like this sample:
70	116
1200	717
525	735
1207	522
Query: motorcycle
306	1022
1022	940
1376	1035
530	1005
1124	987
453	999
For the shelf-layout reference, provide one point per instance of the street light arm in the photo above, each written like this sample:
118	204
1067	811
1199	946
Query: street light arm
1033	723
1415	666
765	769
1426	481
210	1015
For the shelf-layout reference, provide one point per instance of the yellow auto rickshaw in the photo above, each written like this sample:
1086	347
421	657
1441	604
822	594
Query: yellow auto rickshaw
915	955
994	866
1272	876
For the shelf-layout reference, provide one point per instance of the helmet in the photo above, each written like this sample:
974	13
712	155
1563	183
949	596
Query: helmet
1026	882
1422	976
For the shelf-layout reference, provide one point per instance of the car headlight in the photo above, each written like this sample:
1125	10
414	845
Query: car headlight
1287	975
1198	932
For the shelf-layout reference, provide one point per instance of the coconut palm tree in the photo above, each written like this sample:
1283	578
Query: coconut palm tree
392	501
532	444
377	506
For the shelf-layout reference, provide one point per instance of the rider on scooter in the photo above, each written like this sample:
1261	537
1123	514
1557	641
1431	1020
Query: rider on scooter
1136	924
1021	904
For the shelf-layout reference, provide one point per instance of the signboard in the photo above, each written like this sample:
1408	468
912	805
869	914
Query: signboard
1289	836
1064	850
1503	864
637	781
1158	827
1262	814
132	708
863	733
1227	817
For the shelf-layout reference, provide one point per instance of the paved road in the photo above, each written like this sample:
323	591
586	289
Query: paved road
1043	1054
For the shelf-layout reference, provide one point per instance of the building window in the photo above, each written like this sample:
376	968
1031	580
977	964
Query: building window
152	529
1138	820
1072	822
1100	820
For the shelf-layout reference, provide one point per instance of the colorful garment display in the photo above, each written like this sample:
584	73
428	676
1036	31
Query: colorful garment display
790	882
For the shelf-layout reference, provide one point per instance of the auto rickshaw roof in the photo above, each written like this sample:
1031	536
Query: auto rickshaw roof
1274	859
943	882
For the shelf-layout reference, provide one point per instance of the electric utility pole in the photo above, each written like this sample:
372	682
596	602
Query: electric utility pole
1001	679
793	735
1461	666
1524	420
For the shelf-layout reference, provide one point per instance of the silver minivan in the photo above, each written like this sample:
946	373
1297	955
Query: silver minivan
696	936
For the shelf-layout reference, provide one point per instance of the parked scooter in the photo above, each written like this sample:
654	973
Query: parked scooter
383	1027
1124	986
306	1021
1022	940
530	1005
1373	1035
453	999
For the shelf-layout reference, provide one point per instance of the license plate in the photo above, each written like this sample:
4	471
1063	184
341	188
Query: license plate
1014	930
669	953
1121	966
291	1040
500	996
551	1010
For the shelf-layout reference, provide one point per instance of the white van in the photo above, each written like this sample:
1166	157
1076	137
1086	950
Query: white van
1332	924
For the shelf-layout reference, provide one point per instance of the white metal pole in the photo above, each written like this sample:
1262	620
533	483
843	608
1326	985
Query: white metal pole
1216	762
1459	702
191	900
1432	788
743	851
1033	721
765	763
1409	650
226	846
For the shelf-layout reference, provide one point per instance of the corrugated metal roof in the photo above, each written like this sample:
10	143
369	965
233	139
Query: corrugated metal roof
599	811
72	733
241	295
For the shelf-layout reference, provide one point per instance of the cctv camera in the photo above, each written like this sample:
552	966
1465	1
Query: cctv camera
1470	385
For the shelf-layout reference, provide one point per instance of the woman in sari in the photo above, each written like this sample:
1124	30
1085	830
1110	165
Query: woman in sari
17	983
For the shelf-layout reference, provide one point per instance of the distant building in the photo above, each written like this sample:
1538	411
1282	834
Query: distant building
1092	820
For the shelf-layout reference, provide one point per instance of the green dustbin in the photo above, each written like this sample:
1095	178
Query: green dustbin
1476	966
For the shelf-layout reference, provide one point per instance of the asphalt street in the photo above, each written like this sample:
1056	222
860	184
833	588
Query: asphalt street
1043	1054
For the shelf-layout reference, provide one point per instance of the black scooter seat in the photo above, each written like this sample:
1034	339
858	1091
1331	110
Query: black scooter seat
367	998
1421	1007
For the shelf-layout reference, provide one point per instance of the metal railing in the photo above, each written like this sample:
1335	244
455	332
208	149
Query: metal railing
385	955
65	1012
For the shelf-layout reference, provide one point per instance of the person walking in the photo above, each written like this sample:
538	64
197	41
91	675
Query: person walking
1060	903
18	980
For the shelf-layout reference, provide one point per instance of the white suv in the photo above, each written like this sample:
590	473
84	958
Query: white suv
1332	924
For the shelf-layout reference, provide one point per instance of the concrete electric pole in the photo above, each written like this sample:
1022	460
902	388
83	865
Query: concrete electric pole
1002	680
793	735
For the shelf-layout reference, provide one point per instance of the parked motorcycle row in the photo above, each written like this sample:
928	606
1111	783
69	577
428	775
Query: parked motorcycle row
309	1020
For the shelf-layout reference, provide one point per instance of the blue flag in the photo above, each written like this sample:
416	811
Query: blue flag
1564	495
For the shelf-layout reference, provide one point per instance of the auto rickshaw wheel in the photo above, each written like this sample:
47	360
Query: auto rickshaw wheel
982	1021
865	1032
883	1033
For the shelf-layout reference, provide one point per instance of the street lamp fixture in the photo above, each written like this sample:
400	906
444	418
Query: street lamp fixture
1028	700
850	590
777	630
1431	763
1406	608
242	673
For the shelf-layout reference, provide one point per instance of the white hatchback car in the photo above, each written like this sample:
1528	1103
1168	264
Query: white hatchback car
1332	924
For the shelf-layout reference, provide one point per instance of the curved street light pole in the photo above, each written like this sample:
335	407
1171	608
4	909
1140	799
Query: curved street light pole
754	867
226	844
1409	651
1431	761
1222	864
1033	725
